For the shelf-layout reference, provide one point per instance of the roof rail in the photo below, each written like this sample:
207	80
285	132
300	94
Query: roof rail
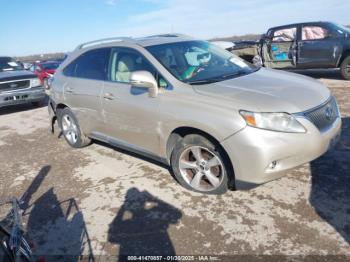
167	35
102	41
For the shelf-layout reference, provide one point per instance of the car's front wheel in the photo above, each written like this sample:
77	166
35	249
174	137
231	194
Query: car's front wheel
345	68
71	129
200	165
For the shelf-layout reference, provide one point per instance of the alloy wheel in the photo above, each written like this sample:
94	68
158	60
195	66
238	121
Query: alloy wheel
201	169
70	129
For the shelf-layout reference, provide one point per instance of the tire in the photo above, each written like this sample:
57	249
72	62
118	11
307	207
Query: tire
345	68
71	130
200	165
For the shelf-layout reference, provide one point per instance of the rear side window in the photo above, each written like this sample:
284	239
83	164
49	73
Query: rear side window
90	65
314	33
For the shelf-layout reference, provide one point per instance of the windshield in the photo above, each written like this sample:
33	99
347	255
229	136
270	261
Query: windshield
50	66
199	62
8	64
342	29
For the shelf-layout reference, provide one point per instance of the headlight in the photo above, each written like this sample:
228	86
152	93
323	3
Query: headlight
35	82
281	122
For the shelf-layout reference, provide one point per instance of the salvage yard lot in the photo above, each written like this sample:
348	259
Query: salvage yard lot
103	201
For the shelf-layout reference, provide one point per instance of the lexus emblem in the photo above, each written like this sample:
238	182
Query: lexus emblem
13	85
329	112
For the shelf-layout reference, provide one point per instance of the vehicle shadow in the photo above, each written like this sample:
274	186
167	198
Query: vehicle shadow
56	228
20	108
330	192
141	225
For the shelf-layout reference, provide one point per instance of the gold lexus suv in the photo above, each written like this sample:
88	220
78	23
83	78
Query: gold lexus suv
218	121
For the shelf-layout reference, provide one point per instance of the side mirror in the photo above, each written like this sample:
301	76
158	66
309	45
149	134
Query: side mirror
145	79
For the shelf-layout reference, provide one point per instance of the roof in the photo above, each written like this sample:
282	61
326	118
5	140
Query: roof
143	41
298	24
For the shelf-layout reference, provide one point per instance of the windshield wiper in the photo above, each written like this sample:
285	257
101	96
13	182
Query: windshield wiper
205	81
218	79
239	73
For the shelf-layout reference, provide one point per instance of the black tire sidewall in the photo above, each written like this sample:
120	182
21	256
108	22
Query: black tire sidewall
344	74
67	111
198	140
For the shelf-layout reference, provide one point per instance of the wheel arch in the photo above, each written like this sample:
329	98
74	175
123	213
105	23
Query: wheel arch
57	110
180	132
345	54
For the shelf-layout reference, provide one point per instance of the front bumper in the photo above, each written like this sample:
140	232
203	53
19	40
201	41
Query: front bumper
253	151
34	94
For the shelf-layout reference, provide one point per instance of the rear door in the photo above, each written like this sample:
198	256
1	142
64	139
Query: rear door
83	87
318	47
279	49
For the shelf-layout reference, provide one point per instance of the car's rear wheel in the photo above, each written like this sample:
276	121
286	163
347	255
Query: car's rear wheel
345	68
71	129
200	165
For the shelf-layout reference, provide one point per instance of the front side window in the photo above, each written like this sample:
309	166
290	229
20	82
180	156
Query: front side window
199	62
314	33
90	65
284	35
124	61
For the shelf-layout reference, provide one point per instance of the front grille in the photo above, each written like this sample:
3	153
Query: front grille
325	115
15	85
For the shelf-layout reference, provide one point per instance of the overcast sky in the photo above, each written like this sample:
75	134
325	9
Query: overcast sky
34	27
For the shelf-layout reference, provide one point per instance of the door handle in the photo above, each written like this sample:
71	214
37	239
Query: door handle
108	96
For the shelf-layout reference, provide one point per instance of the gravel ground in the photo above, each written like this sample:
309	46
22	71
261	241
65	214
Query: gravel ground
103	202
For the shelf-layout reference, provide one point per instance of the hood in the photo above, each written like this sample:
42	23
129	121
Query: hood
16	75
268	90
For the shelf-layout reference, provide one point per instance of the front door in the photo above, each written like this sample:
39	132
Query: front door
131	116
279	50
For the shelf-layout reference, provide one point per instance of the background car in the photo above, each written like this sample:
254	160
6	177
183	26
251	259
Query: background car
310	45
44	70
18	86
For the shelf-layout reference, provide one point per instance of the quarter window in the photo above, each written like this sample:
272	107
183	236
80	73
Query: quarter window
314	33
